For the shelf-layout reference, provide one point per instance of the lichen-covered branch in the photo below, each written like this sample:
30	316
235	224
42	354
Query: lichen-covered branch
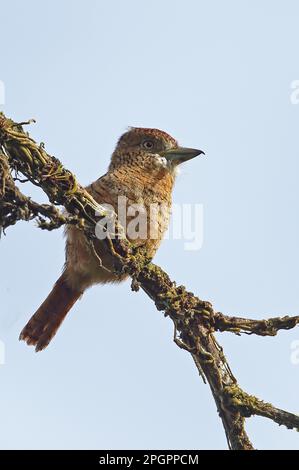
239	325
194	319
250	405
15	206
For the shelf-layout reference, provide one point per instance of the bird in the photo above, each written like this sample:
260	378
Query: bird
142	171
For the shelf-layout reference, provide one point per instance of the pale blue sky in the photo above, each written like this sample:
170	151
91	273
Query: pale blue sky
217	76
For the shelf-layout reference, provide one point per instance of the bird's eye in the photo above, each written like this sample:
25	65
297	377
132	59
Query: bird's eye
148	144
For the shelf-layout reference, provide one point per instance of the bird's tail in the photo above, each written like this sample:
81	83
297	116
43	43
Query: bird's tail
44	324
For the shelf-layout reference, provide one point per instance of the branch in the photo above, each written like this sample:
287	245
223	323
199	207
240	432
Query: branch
194	319
15	206
239	325
250	405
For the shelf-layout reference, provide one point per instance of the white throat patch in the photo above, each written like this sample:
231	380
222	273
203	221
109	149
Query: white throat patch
161	161
164	163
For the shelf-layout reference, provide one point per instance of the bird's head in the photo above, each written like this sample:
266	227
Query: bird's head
151	148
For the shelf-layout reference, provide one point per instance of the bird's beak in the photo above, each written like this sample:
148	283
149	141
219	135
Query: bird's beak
181	154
